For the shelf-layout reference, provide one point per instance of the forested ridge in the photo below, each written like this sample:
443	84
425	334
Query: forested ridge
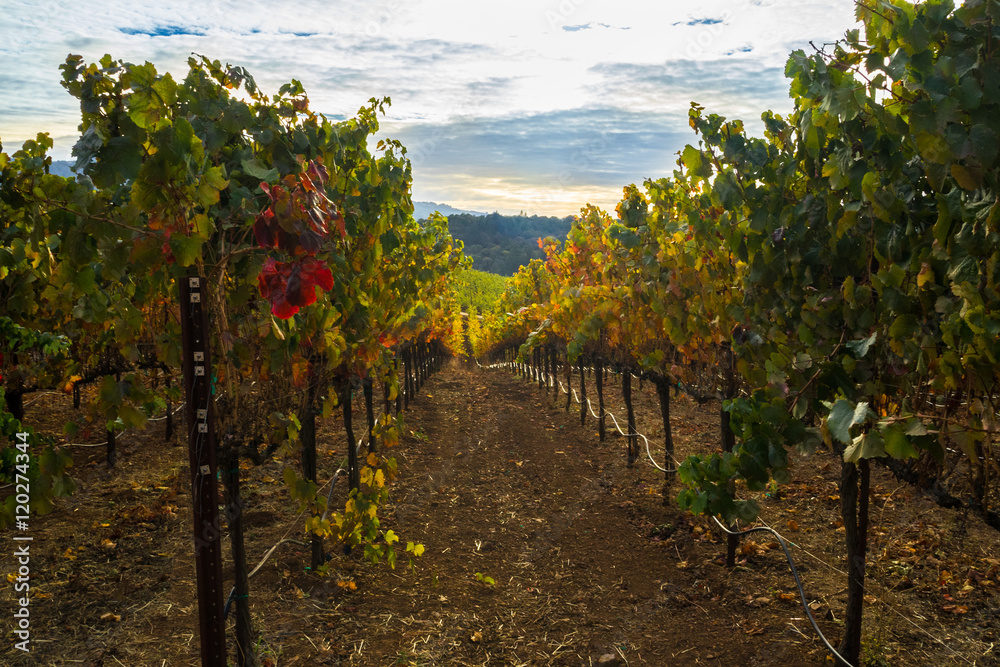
502	244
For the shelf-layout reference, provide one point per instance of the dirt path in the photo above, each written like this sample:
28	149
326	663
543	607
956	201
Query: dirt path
502	484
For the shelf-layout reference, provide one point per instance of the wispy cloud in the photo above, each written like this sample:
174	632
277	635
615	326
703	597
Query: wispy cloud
737	87
531	105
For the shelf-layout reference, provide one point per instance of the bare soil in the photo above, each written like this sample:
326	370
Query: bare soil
499	482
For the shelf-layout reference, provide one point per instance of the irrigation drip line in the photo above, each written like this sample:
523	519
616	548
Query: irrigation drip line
332	483
881	602
41	394
590	407
809	553
86	444
798	580
179	408
232	592
123	432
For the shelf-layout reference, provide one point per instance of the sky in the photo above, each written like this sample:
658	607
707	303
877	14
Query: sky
541	106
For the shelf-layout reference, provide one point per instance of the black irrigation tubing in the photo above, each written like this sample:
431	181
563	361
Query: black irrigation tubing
798	581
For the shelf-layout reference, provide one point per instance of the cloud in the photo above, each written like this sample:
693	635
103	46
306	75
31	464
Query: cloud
551	163
735	87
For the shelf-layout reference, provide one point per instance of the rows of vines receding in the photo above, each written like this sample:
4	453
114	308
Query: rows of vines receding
320	284
836	281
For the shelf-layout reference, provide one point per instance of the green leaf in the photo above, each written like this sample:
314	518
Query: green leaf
914	427
84	279
390	241
699	503
186	249
132	416
840	420
842	417
728	190
109	391
859	348
965	440
904	328
984	144
861	413
866	446
897	445
747	510
256	169
812	141
693	161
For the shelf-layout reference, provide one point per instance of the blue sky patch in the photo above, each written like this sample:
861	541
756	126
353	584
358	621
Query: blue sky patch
163	31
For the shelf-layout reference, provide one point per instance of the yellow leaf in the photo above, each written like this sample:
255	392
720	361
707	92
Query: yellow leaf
926	275
418	550
68	387
372	459
379	479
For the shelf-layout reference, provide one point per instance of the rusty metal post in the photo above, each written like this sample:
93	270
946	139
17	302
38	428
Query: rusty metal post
199	413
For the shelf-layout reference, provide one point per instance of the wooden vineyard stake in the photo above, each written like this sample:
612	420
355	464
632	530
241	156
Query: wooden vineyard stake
199	413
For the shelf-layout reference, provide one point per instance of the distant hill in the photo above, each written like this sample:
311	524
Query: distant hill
503	243
422	209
